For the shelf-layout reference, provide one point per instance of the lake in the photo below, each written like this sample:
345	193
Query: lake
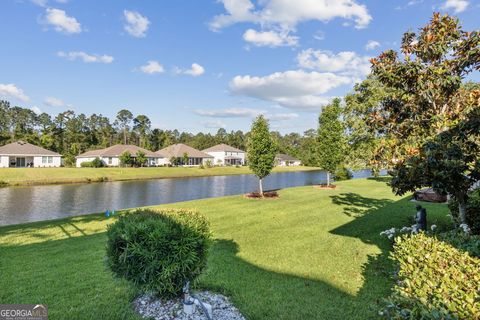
36	203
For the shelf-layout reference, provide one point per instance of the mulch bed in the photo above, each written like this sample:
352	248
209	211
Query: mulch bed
266	195
325	187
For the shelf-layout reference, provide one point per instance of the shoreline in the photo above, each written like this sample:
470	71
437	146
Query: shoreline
98	175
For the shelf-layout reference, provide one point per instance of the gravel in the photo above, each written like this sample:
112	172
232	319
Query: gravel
148	306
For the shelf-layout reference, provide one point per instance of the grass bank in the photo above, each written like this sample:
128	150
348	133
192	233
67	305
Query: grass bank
36	176
311	254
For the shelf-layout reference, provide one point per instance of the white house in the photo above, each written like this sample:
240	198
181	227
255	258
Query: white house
284	160
226	155
21	154
111	155
179	152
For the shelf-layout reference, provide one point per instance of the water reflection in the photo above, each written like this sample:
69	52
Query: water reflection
35	203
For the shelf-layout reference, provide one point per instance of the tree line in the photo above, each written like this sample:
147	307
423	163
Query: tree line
70	134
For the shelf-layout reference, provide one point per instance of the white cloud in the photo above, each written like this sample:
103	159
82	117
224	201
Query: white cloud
229	113
195	70
61	22
12	91
319	35
282	116
372	45
214	124
85	57
296	89
36	109
43	3
53	102
136	24
152	67
457	5
345	63
287	14
269	38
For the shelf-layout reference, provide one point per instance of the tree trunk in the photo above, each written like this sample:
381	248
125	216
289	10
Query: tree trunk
328	178
124	136
260	186
462	210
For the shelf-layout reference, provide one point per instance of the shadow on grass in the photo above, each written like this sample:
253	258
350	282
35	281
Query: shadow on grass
264	294
69	274
384	179
356	205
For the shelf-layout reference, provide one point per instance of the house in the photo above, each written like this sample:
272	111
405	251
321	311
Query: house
111	155
284	160
179	152
226	155
21	154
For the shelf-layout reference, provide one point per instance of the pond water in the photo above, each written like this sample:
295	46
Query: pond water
36	203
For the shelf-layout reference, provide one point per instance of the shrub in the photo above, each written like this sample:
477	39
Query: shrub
462	241
158	251
86	164
436	281
3	184
97	163
209	163
342	173
473	210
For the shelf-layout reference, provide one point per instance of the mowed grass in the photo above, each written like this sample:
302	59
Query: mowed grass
311	254
32	176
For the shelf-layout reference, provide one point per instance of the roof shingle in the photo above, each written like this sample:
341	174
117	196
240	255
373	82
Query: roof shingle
178	150
116	151
21	148
222	147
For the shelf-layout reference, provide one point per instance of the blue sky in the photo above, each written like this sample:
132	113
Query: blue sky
198	65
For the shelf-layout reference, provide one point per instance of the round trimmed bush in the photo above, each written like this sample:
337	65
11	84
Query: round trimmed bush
158	250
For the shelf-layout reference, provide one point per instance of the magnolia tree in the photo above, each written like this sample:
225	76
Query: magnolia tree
261	150
331	142
430	111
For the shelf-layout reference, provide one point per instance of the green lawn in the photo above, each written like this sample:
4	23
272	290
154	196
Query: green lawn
30	176
311	254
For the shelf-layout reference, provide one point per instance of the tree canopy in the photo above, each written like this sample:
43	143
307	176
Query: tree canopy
261	150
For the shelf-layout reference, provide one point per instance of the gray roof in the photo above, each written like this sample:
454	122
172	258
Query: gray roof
21	148
116	151
178	150
222	147
285	157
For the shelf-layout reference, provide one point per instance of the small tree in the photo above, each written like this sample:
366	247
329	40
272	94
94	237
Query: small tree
125	159
173	161
331	143
185	158
261	150
141	158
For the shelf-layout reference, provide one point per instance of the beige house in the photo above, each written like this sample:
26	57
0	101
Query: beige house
225	155
284	160
111	155
21	154
178	152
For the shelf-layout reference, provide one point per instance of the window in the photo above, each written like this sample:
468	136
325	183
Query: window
110	160
44	159
50	159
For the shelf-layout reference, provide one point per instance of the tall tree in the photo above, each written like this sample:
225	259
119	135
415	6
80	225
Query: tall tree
427	102
122	121
366	148
331	142
261	150
142	125
425	90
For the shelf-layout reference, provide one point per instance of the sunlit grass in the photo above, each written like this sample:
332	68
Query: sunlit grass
29	176
311	254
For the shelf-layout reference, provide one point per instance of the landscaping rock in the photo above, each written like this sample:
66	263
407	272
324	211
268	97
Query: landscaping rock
149	306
